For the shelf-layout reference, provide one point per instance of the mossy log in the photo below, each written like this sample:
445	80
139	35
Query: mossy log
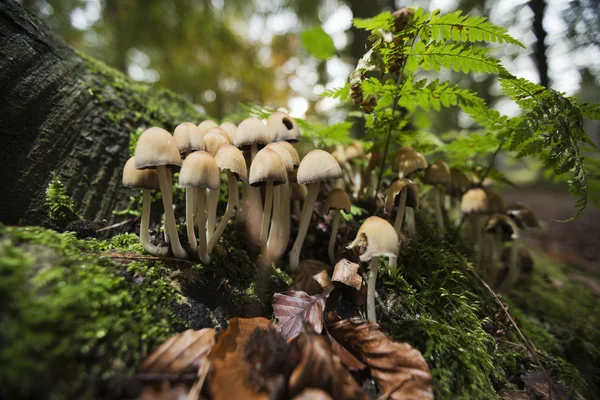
65	112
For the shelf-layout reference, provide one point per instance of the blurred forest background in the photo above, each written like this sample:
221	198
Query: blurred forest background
219	54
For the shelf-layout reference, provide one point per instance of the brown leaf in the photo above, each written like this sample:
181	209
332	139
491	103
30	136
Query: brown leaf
313	394
311	277
232	376
346	272
347	358
164	391
400	370
293	308
317	367
542	388
181	354
507	394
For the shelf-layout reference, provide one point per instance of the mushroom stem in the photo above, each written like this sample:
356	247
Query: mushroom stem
297	208
513	268
201	221
163	181
213	202
400	211
189	218
279	233
168	193
144	227
393	265
332	238
229	211
307	209
437	204
371	289
253	208
266	217
411	229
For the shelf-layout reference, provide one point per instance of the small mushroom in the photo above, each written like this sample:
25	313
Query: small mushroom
230	128
402	193
200	171
504	229
523	216
473	205
408	163
188	137
206	125
298	196
146	180
336	200
214	139
157	149
316	166
375	238
524	268
438	174
283	127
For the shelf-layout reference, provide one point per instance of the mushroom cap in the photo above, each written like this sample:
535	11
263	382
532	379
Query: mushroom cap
400	151
156	147
376	237
292	150
507	226
338	199
523	216
285	155
230	128
267	166
318	165
205	126
298	191
251	131
495	201
231	158
214	139
139	178
283	127
474	201
410	161
339	154
200	170
459	183
355	149
393	194
437	173
183	135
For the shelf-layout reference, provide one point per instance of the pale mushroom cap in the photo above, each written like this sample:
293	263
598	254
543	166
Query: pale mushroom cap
283	127
156	147
139	178
474	201
298	191
393	194
398	155
200	170
507	226
522	215
437	173
459	182
292	150
339	154
230	128
205	126
251	131
318	165
376	237
267	166
285	155
231	158
338	199
214	139
354	150
411	161
183	136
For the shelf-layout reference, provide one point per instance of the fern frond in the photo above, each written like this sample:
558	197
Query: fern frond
61	207
341	93
467	28
434	94
521	90
459	57
383	21
589	110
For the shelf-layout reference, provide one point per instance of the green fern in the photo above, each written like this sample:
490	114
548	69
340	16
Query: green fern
61	207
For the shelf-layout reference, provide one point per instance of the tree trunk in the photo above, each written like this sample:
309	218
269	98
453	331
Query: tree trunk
539	10
65	112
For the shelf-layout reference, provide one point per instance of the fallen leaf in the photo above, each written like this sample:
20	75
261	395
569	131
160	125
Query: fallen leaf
508	394
347	358
399	369
346	272
311	277
181	354
542	388
164	391
293	308
231	375
313	394
317	367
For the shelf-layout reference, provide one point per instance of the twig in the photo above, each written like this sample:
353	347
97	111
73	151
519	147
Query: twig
489	168
118	224
139	257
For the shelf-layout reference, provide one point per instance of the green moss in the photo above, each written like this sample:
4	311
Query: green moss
70	321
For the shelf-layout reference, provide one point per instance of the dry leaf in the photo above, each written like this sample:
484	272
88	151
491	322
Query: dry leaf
542	388
311	277
164	391
347	358
232	376
293	308
507	394
400	370
346	272
313	394
180	354
317	367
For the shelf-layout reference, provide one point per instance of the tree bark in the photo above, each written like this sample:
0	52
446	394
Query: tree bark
64	112
539	10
